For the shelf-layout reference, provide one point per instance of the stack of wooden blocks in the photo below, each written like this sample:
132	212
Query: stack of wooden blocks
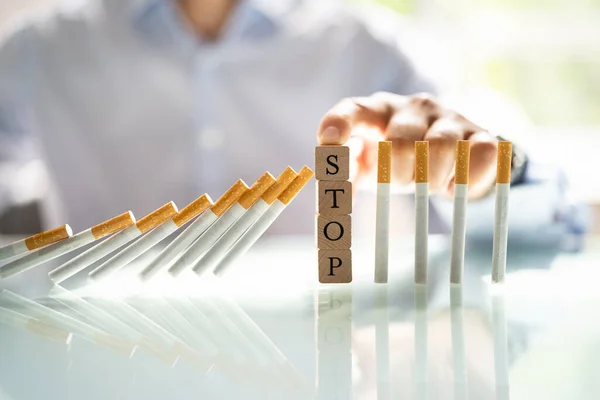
334	224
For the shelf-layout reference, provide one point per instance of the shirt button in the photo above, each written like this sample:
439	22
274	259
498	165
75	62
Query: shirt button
210	139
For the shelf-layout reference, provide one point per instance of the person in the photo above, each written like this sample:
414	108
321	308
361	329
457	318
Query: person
131	104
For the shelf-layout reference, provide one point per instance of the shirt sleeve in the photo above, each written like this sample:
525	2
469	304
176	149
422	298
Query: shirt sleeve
16	145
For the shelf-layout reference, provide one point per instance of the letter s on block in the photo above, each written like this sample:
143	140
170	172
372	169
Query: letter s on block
336	167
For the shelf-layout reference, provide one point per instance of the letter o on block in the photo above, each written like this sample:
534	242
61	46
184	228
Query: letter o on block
334	232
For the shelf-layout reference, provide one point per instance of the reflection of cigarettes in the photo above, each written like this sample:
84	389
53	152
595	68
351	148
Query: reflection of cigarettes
35	242
250	198
421	210
225	210
459	221
153	237
65	246
219	250
34	325
501	216
191	233
95	253
382	219
264	222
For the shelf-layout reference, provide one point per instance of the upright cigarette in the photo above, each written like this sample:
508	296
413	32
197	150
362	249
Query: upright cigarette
226	212
459	221
65	246
501	215
382	219
95	253
153	237
262	224
421	210
35	242
170	253
247	201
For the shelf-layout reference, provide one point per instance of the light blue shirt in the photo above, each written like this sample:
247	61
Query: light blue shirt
116	104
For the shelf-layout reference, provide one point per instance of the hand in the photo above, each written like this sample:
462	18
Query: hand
405	120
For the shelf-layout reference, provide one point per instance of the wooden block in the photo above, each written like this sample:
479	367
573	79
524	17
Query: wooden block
332	163
334	232
335	197
335	266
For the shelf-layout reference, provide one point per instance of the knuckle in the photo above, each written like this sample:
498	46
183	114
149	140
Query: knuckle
443	140
487	150
423	100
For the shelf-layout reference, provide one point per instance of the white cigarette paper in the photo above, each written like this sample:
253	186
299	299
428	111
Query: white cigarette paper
265	221
382	218
35	242
95	253
459	220
66	246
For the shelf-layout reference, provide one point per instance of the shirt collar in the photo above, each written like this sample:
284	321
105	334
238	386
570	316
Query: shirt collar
262	11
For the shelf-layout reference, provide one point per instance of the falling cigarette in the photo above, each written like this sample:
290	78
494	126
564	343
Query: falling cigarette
501	215
170	253
421	210
65	246
226	213
265	220
220	248
382	219
95	253
459	221
35	242
153	237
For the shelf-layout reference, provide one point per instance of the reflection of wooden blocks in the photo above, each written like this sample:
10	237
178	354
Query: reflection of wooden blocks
335	266
334	232
335	197
332	163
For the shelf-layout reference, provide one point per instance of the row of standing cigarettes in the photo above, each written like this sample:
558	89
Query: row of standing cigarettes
216	235
461	184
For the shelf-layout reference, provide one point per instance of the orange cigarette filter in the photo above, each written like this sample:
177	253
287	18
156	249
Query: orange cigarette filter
258	189
48	237
384	162
229	197
113	225
421	162
193	209
463	155
504	162
283	181
157	217
304	176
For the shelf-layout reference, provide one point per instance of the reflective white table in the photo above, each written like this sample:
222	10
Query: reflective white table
269	331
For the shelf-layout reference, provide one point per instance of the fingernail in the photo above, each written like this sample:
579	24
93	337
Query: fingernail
331	135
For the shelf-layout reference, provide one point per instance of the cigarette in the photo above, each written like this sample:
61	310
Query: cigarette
62	321
382	218
170	253
421	210
153	237
459	220
226	213
35	242
255	210
101	250
501	214
65	246
265	221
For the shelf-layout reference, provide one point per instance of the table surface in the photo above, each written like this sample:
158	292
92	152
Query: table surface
267	330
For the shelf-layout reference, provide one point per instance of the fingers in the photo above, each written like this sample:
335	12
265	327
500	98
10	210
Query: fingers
482	168
409	124
442	137
349	114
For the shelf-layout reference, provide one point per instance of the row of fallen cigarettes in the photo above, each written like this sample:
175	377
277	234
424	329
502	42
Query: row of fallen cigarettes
217	234
461	182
